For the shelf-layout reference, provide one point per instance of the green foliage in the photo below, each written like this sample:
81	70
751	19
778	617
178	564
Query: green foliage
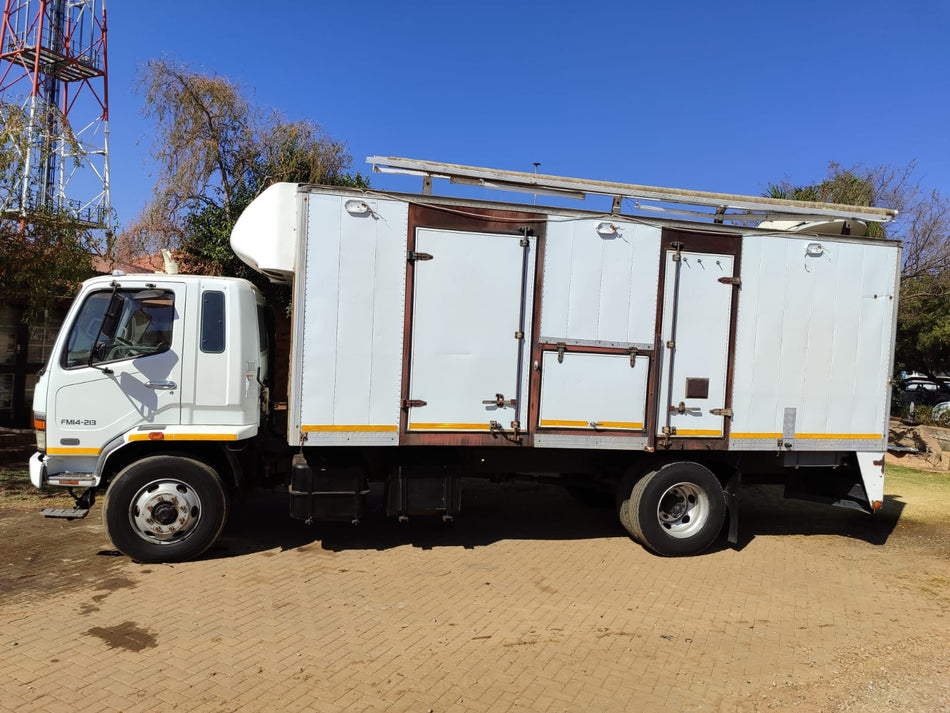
217	151
923	226
13	123
853	186
923	325
201	137
43	262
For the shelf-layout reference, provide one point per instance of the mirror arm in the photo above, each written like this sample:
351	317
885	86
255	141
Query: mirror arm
95	342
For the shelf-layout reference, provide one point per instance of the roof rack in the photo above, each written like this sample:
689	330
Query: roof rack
752	207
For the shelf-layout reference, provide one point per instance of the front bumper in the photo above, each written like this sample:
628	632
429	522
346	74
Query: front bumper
38	469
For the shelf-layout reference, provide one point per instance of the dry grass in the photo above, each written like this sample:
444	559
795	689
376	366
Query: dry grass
16	491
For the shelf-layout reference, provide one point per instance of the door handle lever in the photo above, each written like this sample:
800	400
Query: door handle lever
164	385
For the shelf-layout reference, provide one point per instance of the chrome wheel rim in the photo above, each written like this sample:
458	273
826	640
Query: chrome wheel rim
165	511
683	509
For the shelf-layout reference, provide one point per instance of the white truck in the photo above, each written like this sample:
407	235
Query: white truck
435	338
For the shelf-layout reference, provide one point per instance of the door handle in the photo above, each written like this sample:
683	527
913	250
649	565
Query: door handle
164	385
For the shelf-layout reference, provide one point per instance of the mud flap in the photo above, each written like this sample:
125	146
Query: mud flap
731	493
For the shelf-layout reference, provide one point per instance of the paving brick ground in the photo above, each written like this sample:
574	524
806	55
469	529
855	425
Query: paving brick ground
528	602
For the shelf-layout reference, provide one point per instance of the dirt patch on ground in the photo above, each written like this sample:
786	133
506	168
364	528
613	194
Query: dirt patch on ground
528	602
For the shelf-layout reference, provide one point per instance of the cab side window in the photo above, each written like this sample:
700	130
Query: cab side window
144	327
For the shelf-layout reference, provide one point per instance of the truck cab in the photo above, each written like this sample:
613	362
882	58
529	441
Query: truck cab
150	366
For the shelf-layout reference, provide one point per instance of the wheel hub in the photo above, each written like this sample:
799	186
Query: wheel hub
683	509
165	511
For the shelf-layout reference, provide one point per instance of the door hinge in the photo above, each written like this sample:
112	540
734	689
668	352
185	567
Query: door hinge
730	281
561	348
412	256
634	353
412	403
668	430
724	412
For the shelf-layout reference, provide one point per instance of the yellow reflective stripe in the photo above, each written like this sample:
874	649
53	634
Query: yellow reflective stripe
826	436
586	424
696	432
842	436
449	427
329	429
144	436
620	424
73	451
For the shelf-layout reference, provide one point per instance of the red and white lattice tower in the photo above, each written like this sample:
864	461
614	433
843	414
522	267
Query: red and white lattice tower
55	102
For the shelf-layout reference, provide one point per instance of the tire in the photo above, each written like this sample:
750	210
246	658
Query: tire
623	497
165	509
676	510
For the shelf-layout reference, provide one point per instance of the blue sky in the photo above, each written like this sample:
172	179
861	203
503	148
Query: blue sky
711	96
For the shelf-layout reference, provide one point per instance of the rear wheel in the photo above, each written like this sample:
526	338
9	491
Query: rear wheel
623	497
165	509
678	509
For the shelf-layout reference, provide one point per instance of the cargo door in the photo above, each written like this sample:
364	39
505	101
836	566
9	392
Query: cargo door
697	308
469	317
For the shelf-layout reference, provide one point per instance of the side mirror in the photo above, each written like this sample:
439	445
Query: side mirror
107	329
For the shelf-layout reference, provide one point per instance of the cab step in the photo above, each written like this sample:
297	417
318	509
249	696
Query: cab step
65	513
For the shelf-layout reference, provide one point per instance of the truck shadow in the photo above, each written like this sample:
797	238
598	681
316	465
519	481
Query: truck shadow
525	511
764	511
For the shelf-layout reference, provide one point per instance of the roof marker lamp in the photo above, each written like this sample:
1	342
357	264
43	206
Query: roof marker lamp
608	230
814	250
356	207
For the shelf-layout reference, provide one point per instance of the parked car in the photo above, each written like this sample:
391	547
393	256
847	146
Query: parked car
923	392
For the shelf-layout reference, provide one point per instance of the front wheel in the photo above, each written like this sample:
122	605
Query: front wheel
676	510
165	509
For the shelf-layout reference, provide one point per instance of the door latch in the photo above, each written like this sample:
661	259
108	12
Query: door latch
725	412
500	401
682	408
412	403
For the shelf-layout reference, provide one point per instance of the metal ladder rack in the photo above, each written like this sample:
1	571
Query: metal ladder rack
752	208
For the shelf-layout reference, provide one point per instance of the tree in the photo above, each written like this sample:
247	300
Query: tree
44	254
202	137
216	151
42	261
923	226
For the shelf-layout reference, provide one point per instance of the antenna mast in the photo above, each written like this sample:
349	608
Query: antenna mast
54	106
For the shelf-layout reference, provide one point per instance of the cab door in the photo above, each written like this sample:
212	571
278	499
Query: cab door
102	385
